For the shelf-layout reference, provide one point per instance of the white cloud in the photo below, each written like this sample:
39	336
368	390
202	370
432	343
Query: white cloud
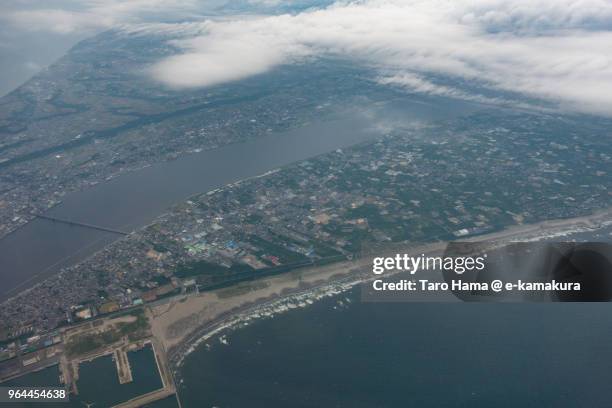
557	50
91	15
59	21
538	15
76	16
225	56
416	83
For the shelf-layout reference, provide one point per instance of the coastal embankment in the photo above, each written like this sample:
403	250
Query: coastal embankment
183	322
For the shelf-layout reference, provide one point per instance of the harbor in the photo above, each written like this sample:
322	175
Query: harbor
112	361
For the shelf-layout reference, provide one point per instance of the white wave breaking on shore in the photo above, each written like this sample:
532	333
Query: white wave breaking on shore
309	296
271	309
567	232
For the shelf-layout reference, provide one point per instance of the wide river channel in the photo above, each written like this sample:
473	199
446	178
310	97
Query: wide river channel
134	199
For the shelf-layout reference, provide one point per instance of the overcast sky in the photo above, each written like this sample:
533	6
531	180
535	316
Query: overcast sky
555	50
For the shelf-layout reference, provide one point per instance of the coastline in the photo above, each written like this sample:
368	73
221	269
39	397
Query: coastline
180	323
184	324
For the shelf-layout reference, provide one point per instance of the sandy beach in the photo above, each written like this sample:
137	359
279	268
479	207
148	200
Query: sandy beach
180	321
174	321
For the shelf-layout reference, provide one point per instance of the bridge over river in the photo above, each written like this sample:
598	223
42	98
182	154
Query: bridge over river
88	220
81	224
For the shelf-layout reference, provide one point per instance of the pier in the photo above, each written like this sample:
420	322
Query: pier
124	371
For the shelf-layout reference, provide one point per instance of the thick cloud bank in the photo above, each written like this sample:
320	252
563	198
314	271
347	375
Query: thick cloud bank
555	50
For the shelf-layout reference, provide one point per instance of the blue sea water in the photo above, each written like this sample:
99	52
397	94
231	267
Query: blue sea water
409	355
341	352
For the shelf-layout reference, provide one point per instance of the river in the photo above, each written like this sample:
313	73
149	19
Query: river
134	199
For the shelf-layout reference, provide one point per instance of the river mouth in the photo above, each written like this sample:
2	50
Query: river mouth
132	200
